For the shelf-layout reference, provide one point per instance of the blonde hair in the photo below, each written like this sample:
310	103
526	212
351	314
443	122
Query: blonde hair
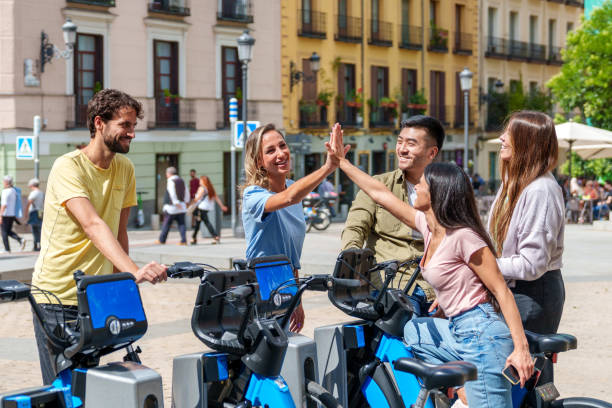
254	173
533	140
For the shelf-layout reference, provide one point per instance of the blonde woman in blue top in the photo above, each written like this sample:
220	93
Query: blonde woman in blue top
272	212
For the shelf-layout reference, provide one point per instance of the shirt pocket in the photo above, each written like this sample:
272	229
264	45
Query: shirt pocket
385	222
117	197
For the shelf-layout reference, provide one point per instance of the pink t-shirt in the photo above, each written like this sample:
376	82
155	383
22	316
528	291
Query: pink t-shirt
457	287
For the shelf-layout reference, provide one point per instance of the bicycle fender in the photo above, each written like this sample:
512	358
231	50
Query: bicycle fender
269	391
380	391
580	402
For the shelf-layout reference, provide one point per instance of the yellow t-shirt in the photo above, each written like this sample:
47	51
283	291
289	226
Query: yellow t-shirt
64	246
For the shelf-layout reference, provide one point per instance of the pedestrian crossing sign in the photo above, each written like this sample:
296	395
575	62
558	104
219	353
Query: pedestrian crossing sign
238	130
25	147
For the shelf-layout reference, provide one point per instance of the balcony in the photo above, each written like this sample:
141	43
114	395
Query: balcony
536	52
463	44
383	113
173	7
459	116
517	50
312	115
439	112
381	33
311	24
173	113
235	11
556	1
496	47
577	3
103	3
438	40
411	37
348	29
554	55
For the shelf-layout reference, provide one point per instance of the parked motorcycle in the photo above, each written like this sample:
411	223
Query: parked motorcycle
317	212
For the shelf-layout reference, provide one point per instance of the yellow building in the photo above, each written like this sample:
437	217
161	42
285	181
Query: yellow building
379	61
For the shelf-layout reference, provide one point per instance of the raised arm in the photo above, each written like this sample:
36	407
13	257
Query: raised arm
298	190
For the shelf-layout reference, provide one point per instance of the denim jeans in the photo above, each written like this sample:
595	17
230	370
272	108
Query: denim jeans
419	302
169	218
478	336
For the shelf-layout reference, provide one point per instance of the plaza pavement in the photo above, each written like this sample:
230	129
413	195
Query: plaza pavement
587	272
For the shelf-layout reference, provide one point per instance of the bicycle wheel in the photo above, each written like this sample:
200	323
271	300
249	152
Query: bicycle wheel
308	224
321	395
580	402
322	221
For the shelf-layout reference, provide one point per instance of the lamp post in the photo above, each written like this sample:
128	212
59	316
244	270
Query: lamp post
465	78
48	51
245	51
296	76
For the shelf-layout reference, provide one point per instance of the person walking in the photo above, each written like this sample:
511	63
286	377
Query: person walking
8	211
372	226
87	206
34	209
204	201
175	206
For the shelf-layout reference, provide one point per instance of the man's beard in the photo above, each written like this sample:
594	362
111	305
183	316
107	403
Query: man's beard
115	146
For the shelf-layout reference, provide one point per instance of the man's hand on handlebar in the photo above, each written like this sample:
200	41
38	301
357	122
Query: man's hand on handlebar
151	272
296	323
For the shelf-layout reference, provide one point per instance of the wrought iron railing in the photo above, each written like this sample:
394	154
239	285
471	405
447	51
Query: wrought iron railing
411	37
348	28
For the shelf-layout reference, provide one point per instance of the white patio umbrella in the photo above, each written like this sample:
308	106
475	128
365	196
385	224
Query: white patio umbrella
571	135
598	151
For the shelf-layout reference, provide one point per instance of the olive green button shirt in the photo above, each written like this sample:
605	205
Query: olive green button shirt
370	224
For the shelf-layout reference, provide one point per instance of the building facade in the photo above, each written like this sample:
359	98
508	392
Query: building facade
380	61
521	42
178	58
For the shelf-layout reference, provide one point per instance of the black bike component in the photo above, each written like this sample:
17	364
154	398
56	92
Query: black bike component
213	316
579	402
132	354
414	276
110	325
385	381
39	397
396	310
435	376
239	264
269	344
240	293
550	343
11	290
185	270
321	395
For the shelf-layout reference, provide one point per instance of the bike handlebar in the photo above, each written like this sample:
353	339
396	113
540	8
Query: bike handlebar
185	270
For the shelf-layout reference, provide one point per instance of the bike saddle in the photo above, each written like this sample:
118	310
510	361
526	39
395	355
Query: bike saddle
550	343
435	376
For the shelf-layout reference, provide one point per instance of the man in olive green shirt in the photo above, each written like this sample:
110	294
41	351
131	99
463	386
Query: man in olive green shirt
370	225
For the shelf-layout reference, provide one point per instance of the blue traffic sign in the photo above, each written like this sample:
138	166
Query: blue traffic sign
25	147
238	130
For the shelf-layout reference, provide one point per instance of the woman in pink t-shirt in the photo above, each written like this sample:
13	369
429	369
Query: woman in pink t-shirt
459	263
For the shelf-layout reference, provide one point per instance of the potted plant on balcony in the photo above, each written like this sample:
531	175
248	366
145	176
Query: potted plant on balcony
355	99
388	103
439	37
417	102
307	107
169	97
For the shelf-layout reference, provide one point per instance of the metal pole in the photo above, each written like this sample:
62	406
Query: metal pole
233	117
237	228
465	126
37	126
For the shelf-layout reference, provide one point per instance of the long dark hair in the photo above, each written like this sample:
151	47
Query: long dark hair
454	205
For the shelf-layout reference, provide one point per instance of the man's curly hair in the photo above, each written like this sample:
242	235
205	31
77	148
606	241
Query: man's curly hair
106	103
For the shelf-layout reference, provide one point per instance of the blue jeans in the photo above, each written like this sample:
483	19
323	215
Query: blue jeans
478	336
419	302
169	218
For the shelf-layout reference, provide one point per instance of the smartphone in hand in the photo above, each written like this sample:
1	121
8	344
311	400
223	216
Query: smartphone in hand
511	375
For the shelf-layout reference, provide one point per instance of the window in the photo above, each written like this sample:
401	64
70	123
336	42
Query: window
492	22
514	85
533	86
87	73
166	83
348	106
552	28
406	12
491	84
342	14
533	29
570	27
513	26
409	84
380	89
459	11
437	90
375	17
231	80
433	6
306	14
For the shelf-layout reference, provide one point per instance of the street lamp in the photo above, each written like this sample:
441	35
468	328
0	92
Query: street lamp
465	78
245	54
48	51
296	76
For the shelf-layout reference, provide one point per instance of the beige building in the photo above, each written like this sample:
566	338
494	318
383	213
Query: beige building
521	40
178	57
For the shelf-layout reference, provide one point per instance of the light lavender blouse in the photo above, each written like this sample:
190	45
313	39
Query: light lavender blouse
534	243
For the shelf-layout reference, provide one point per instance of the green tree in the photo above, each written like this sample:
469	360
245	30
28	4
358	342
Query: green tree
585	79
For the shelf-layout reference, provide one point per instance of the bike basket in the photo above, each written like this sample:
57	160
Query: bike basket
111	315
215	321
354	263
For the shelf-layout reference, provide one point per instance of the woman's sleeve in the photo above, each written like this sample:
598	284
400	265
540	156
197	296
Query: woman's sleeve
254	202
537	235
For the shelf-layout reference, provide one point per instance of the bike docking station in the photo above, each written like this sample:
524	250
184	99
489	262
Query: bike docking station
253	360
110	317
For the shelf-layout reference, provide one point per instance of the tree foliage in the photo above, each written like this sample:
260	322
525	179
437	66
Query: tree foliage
585	79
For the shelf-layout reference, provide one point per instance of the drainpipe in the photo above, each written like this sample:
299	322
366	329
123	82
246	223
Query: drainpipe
423	48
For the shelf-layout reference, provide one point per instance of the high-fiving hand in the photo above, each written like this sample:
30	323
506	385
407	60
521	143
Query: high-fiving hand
336	151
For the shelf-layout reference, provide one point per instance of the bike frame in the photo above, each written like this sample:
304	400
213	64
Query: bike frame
269	391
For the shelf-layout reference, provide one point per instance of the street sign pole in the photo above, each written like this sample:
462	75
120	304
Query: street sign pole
233	116
37	127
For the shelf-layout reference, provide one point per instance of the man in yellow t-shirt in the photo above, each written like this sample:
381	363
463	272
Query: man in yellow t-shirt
87	206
